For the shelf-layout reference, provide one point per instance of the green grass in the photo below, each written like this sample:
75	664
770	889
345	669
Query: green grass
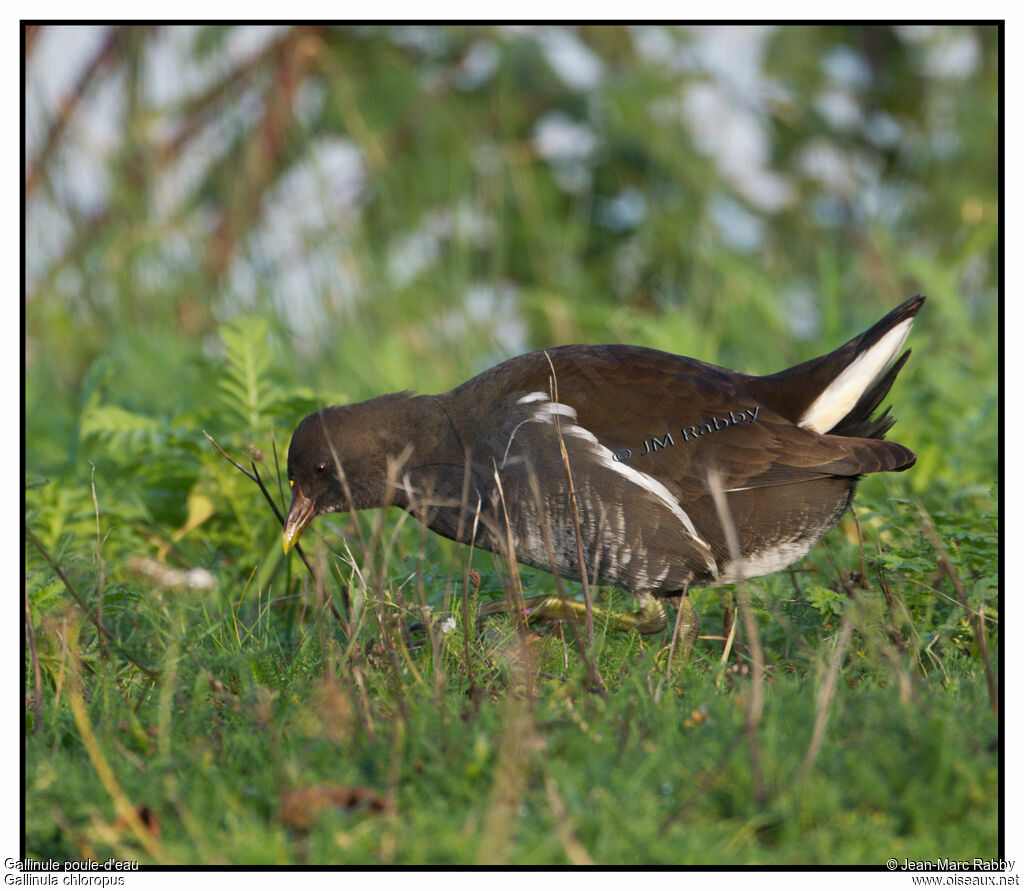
629	779
238	713
501	751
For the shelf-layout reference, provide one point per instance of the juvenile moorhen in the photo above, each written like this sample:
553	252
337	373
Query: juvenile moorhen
651	439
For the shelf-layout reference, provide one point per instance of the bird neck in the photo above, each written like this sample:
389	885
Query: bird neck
414	441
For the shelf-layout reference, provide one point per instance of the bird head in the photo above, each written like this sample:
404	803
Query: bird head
338	460
314	475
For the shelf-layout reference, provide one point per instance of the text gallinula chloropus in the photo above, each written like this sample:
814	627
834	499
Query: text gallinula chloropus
650	439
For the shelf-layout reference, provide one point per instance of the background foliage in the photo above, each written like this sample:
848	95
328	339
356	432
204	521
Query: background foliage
227	227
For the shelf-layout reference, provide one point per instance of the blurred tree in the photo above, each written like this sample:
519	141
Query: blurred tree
459	193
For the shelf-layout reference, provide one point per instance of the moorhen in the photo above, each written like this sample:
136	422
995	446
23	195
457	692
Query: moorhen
682	473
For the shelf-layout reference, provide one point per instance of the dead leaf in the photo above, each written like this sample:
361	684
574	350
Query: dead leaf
301	807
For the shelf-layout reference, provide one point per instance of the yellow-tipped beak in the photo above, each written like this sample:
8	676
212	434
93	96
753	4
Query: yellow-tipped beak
299	515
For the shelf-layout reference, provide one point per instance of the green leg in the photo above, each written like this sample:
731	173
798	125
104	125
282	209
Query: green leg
650	618
689	623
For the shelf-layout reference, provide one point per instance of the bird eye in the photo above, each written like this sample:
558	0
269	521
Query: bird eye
321	469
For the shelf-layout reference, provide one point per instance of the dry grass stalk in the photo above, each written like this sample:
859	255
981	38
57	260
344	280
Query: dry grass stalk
126	811
30	637
756	703
100	566
827	694
515	582
574	507
575	851
519	740
545	531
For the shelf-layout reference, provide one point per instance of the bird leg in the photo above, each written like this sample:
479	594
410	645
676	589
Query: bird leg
688	621
650	618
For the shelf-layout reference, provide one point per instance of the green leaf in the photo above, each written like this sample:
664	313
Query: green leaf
247	393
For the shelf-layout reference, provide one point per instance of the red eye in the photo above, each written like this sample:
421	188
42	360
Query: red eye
321	469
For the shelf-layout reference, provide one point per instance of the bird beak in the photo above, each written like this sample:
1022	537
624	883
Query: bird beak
299	515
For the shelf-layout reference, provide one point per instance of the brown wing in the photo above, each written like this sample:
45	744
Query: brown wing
643	432
674	419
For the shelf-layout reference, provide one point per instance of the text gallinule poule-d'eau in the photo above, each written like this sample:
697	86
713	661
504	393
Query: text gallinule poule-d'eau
650	439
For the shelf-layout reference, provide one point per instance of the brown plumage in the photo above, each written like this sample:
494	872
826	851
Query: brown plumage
648	436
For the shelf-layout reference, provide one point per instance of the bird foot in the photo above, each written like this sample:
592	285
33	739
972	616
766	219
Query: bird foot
650	618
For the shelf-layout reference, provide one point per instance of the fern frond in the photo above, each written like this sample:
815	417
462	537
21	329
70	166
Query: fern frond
120	429
247	393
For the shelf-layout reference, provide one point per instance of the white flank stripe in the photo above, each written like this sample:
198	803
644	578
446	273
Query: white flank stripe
532	397
840	396
651	485
548	411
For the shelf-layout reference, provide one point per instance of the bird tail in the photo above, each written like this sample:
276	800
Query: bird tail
837	393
